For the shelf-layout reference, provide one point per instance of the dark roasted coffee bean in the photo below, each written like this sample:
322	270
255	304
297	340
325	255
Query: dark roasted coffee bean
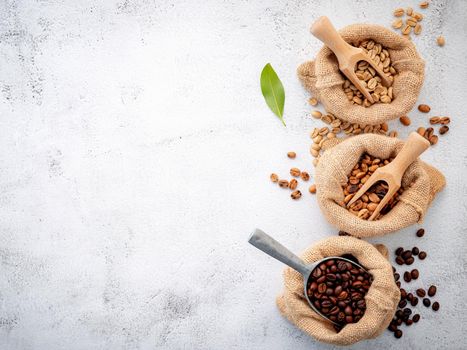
398	333
407	276
321	279
407	311
392	327
400	260
342	266
416	318
338	290
356	296
432	291
406	254
397	277
349	319
409	297
421	292
331	277
409	261
361	304
399	251
343	295
316	273
330	262
326	303
426	302
341	317
348	310
398	284
408	322
399	321
414	301
403	293
403	303
399	314
422	255
415	251
322	288
420	232
334	310
435	306
414	273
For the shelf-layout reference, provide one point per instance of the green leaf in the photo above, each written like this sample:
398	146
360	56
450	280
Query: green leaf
273	91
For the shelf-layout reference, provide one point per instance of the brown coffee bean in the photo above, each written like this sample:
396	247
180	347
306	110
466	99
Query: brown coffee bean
409	261
322	288
416	318
316	273
426	302
296	194
420	232
326	304
408	322
399	251
397	276
293	184
444	129
304	176
407	276
403	293
424	108
435	306
432	291
414	301
274	177
422	255
415	251
414	273
403	303
398	284
398	333
406	254
410	297
421	292
399	260
291	155
283	183
295	172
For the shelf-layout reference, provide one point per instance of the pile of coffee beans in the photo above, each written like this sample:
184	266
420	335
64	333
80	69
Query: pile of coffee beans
410	299
337	289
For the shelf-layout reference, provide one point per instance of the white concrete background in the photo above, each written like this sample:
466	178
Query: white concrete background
135	154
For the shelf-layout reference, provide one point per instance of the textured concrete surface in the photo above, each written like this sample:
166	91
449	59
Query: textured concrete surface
135	154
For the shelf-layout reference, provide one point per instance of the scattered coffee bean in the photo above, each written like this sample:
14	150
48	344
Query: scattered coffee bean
415	251
291	155
424	108
293	184
407	276
410	297
274	177
422	255
399	260
312	189
414	301
399	251
296	194
426	302
295	172
304	176
408	322
283	183
414	273
421	292
432	291
444	129
435	306
398	333
420	232
402	303
416	318
406	254
409	261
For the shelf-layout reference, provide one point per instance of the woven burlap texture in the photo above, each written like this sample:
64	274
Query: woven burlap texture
338	160
381	300
323	79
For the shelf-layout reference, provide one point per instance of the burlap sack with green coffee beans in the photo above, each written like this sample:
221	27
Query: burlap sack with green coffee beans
323	79
381	300
421	182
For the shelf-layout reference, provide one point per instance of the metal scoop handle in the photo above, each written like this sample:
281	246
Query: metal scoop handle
270	246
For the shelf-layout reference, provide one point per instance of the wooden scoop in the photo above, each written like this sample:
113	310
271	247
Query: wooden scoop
393	172
347	55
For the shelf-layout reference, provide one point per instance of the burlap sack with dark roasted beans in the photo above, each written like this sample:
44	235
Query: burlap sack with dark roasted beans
381	300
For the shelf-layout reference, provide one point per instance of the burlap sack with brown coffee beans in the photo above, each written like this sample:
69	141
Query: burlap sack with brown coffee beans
323	79
381	300
421	182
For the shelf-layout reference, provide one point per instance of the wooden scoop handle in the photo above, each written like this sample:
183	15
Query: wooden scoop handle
325	31
413	147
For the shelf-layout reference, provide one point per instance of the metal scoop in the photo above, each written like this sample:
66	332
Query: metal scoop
393	172
347	55
270	246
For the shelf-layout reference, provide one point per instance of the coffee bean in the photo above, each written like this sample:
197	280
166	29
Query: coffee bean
398	284
392	327
415	250
426	302
322	288
409	297
398	333
408	322
422	255
416	318
331	277
407	276
316	273
403	293
420	232
399	251
400	260
399	314
406	254
414	301
410	261
397	276
407	311
403	303
414	273
421	292
435	306
432	291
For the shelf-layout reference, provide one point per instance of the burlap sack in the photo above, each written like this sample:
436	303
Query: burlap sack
381	300
323	79
338	160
